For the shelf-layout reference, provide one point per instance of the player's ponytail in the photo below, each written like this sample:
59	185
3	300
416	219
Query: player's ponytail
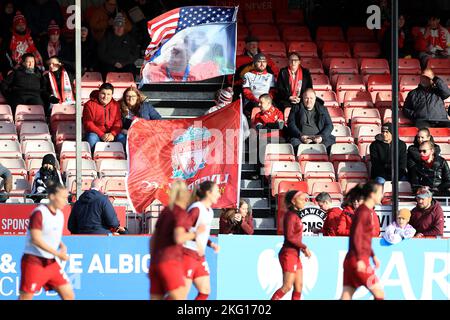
203	188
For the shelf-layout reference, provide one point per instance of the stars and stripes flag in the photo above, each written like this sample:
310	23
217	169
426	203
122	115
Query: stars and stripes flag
165	26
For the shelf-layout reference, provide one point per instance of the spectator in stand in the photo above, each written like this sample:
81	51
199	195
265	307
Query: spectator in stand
25	85
117	51
352	201
88	50
238	221
324	202
380	155
102	118
6	183
6	20
309	122
426	102
54	45
292	82
93	213
257	82
427	217
22	42
431	171
59	83
39	14
405	40
400	229
48	174
135	104
269	117
413	150
434	42
222	98
102	17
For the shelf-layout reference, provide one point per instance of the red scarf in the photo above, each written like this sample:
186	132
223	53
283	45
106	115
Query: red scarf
401	39
296	81
66	94
437	37
53	48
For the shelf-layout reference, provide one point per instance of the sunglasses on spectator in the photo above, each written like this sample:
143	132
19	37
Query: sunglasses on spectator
130	96
423	150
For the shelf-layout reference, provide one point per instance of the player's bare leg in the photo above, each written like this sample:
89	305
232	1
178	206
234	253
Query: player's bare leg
26	296
298	285
288	282
177	294
377	291
65	292
203	286
347	293
187	285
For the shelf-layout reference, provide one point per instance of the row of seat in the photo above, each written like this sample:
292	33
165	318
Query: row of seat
92	80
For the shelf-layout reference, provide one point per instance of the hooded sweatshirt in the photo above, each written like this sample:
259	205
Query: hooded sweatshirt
93	213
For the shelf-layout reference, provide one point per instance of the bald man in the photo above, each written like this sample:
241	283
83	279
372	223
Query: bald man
426	102
93	213
309	122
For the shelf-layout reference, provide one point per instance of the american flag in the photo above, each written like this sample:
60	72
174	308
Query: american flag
163	28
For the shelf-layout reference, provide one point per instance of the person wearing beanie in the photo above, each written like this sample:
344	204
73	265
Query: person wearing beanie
22	42
256	83
54	46
380	155
427	217
400	229
46	175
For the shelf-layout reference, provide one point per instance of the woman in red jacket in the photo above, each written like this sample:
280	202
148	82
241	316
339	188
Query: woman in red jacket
289	255
352	201
238	221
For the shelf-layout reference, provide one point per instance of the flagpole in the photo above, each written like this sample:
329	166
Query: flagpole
78	128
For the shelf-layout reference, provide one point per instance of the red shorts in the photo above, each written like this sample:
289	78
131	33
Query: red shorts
290	262
355	279
195	267
166	276
36	275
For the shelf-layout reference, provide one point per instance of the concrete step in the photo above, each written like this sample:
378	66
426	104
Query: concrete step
251	184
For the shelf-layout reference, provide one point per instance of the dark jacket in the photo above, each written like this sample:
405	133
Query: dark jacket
20	87
436	177
89	59
42	178
147	112
65	55
39	16
428	222
427	104
323	120
414	154
284	88
93	213
113	49
380	157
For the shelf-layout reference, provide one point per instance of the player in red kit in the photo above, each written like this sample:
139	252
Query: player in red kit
357	269
171	231
289	255
43	246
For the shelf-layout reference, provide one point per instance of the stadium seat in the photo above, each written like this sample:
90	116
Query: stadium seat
314	65
286	186
109	150
36	149
264	32
280	62
409	66
291	16
377	83
312	152
340	66
334	49
360	34
10	149
416	31
332	188
112	167
285	167
20	185
71	183
19	200
318	172
374	66
88	168
362	116
402	120
445	151
341	152
440	135
61	113
259	16
273	48
321	82
347	185
363	50
366	133
240	46
68	150
91	80
352	170
325	33
439	66
279	149
6	113
383	101
407	134
32	166
2	98
34	131
16	166
404	191
364	151
120	79
30	113
295	33
342	133
328	97
305	49
337	115
65	131
8	131
356	99
276	181
348	82
408	82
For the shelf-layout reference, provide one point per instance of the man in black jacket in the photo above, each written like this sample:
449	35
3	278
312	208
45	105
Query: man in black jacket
380	155
309	122
413	150
25	85
426	102
93	213
431	171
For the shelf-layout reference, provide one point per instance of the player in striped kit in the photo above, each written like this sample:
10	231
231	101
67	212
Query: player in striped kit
201	213
43	246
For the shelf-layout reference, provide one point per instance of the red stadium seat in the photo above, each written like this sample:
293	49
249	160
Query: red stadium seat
440	135
275	183
304	49
332	188
402	120
319	172
409	82
356	99
361	34
15	166
36	149
286	186
291	16
295	33
445	151
278	149
362	116
348	82
6	113
258	16
407	134
366	50
336	49
439	66
352	170
321	82
342	66
383	101
377	83
409	66
20	186
366	133
91	80
342	134
71	184
273	48
88	168
329	98
344	152
29	113
120	79
314	65
2	99
264	32
61	113
280	62
8	131
10	149
242	33
112	167
329	34
374	66
337	115
65	131
312	152
240	47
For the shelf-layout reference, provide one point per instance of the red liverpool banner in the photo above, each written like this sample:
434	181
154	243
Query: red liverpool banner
193	150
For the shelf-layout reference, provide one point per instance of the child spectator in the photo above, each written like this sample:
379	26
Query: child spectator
323	200
269	117
400	229
222	98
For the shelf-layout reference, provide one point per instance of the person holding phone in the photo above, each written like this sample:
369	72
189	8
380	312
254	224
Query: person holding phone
237	221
